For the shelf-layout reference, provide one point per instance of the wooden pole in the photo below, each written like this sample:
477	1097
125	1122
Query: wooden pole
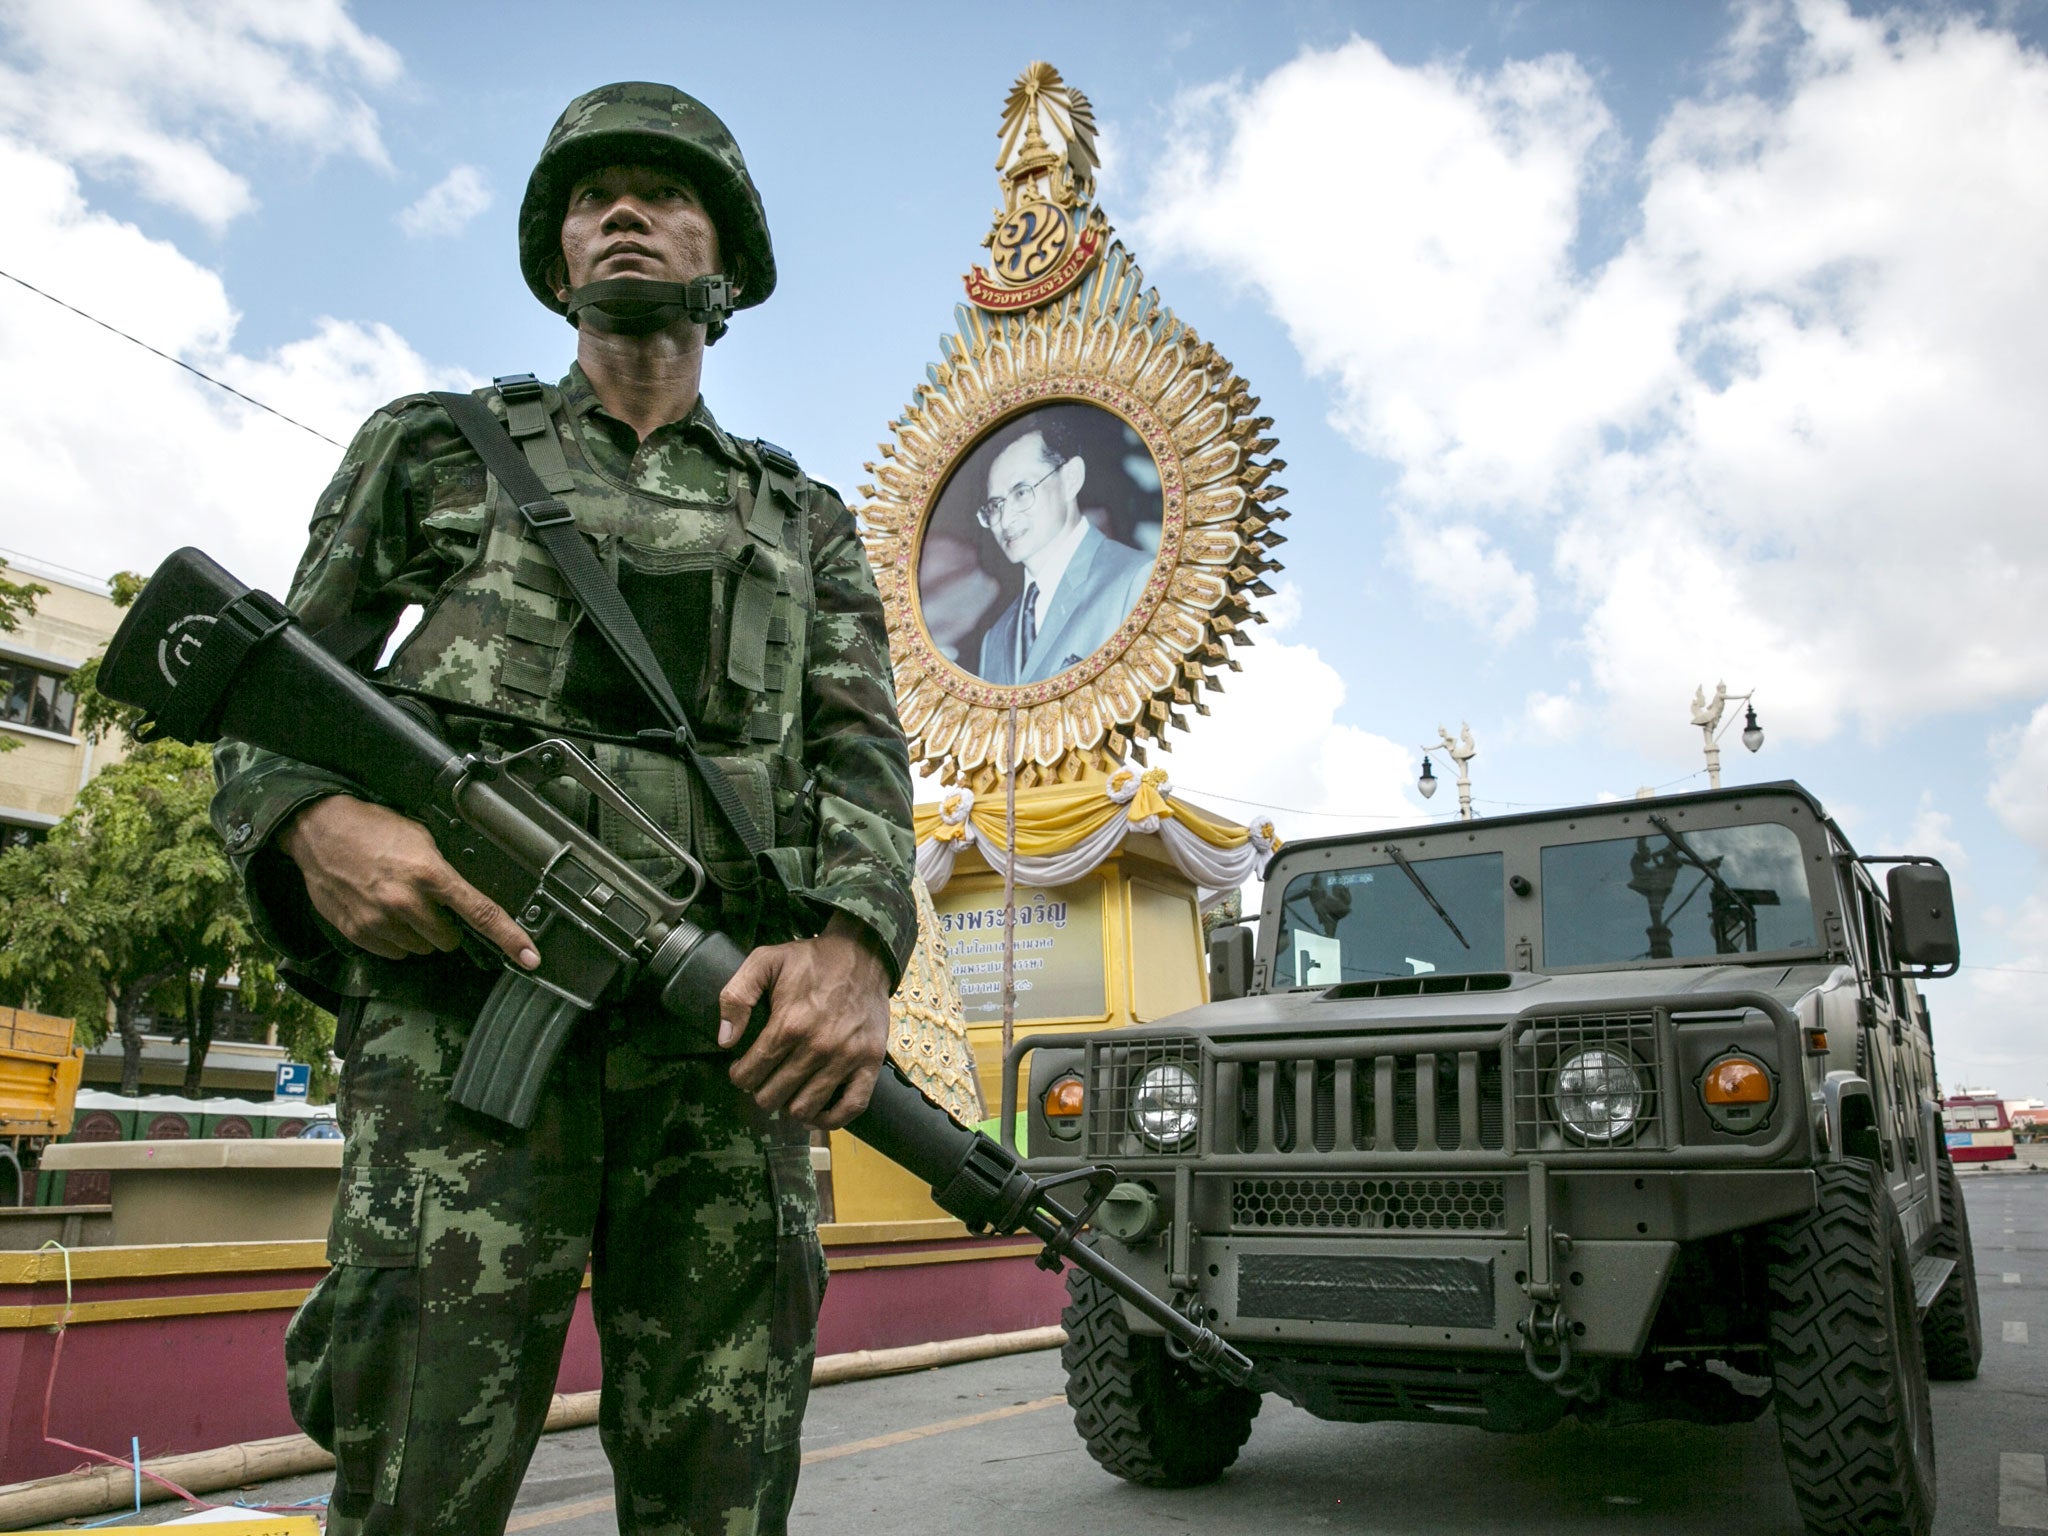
1010	892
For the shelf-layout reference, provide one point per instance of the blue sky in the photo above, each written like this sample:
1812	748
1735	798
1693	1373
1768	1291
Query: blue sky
1613	348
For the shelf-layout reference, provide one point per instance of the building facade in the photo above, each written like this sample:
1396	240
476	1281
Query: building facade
50	761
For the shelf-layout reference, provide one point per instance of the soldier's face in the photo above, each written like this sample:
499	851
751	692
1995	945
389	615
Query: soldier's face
636	221
1034	498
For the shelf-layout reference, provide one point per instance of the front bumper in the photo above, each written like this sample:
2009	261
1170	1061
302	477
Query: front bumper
1594	1247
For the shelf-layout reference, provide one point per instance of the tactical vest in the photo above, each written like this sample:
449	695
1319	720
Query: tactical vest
721	586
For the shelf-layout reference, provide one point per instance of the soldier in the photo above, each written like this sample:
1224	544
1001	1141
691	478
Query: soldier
426	1357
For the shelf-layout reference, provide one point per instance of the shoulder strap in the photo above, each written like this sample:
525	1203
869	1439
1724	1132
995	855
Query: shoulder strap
778	494
554	525
533	429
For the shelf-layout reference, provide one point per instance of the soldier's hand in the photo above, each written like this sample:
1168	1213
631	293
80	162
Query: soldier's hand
377	876
828	1024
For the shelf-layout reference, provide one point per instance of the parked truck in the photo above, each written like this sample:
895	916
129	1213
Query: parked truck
39	1072
1621	1112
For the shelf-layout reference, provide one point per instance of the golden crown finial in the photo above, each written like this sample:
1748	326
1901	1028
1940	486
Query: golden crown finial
1040	100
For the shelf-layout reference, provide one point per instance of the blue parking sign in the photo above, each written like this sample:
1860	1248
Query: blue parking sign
293	1079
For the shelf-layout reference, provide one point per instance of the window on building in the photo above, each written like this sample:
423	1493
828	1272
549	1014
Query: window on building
12	836
32	696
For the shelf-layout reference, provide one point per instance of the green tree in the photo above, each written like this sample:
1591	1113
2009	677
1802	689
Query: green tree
97	716
130	888
18	600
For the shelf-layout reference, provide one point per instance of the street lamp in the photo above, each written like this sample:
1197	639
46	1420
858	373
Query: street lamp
1706	714
1462	752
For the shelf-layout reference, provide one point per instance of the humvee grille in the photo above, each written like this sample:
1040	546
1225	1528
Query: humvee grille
1382	1205
1422	1102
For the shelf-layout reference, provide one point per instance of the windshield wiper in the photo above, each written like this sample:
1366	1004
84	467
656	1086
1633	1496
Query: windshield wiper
1708	867
1401	859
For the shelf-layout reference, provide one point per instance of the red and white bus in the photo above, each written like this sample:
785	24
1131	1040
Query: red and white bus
1977	1128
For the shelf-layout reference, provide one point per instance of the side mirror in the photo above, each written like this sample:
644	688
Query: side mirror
1923	917
1230	963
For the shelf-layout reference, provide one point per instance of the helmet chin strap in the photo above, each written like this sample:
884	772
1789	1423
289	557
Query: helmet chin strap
639	306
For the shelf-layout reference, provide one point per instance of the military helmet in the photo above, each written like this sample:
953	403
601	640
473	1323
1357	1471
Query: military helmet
638	123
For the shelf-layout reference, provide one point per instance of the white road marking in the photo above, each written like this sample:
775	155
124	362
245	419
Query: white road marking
2010	1277
2015	1333
2023	1491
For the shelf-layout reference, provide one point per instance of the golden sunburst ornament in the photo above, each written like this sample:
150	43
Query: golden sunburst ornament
1075	513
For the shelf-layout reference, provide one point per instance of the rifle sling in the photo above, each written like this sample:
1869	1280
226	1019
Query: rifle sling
555	526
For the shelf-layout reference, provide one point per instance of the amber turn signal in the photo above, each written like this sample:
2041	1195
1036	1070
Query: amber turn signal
1065	1098
1736	1080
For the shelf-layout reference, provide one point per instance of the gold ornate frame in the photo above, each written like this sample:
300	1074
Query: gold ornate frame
1106	342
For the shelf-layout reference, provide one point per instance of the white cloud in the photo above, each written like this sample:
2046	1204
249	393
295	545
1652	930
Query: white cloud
117	457
1412	228
1459	566
447	207
1274	745
1743	429
2019	794
146	89
1933	834
1987	1022
1554	716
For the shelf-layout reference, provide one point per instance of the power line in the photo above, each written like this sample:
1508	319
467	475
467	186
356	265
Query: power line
167	357
1289	810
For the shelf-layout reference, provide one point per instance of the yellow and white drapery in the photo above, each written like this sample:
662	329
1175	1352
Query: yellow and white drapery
1063	835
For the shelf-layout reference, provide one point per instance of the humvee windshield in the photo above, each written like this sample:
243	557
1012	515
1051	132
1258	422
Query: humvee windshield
1387	920
1675	896
1680	894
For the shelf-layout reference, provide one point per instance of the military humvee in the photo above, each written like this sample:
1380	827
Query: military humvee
1625	1112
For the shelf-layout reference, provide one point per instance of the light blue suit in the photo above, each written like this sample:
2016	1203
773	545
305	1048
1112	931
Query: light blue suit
1099	587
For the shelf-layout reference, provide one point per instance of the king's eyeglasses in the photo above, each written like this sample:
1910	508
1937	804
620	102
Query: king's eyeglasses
1018	498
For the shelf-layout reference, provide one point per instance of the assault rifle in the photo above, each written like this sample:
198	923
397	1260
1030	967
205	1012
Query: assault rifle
204	656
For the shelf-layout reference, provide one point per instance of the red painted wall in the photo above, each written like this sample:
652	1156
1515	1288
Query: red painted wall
194	1383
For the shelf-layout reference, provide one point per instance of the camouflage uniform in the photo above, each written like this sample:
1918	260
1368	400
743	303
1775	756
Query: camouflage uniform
427	1356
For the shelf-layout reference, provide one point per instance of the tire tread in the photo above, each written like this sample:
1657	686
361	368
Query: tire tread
1142	1416
1953	1326
1841	1400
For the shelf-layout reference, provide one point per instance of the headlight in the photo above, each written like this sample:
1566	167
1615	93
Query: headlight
1166	1101
1599	1094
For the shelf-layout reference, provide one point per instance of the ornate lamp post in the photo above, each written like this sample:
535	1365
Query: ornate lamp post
1462	751
1706	714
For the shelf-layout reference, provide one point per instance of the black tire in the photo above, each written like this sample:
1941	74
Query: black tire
1145	1416
16	1183
1953	1327
1850	1381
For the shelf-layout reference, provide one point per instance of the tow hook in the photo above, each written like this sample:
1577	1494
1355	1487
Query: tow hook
1189	1305
1546	1328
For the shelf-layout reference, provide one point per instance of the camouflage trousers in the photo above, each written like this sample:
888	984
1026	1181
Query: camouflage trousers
426	1357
